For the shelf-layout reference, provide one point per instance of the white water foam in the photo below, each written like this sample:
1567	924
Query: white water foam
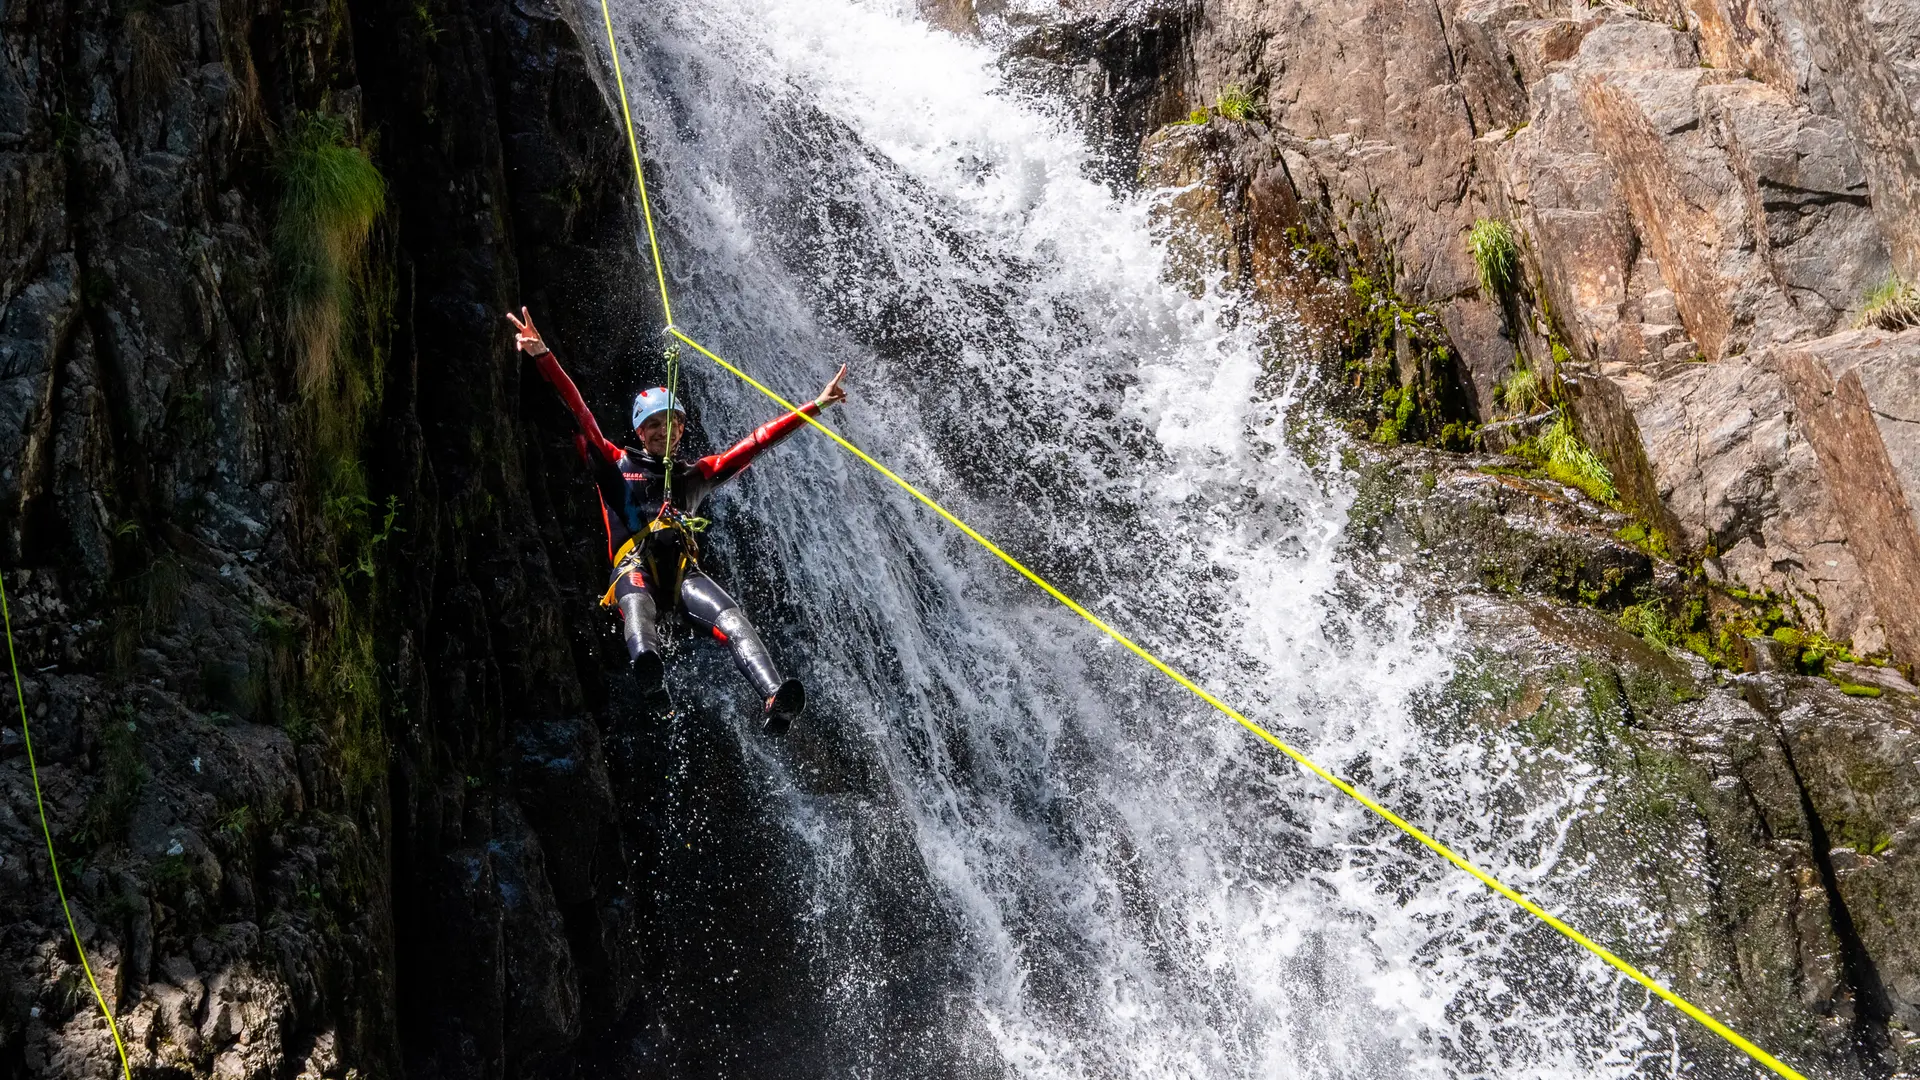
1134	886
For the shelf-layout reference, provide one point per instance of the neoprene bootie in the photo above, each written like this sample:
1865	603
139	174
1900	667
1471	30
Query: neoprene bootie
784	707
649	671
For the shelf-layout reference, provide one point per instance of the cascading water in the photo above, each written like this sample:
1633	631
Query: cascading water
1003	846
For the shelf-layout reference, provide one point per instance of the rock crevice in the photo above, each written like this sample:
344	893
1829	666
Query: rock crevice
1861	977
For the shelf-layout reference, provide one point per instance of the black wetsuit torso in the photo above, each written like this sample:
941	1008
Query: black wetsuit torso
631	489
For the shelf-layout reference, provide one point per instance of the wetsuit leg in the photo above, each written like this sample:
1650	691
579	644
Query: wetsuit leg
640	625
709	605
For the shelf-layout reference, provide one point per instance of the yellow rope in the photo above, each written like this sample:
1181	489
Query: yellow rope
1445	852
639	174
53	861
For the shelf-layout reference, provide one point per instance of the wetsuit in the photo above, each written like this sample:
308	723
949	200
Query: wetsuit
631	492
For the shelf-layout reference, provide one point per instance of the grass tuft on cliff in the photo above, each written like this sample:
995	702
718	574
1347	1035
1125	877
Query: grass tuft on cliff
1573	463
1235	103
1495	255
330	196
152	59
1521	391
1894	306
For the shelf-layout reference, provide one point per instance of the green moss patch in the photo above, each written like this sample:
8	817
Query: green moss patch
1399	371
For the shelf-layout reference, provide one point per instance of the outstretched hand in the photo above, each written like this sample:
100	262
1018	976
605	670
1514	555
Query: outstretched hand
834	394
525	337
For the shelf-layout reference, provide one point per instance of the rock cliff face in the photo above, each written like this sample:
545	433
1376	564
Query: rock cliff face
1706	195
305	611
317	725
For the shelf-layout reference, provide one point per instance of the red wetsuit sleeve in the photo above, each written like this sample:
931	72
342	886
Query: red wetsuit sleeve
596	443
725	466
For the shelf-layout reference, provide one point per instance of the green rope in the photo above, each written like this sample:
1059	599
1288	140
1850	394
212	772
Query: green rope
46	830
673	405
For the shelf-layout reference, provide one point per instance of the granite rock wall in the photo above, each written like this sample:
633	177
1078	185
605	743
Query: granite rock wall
1704	194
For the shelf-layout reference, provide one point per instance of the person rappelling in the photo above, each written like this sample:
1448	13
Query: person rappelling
647	499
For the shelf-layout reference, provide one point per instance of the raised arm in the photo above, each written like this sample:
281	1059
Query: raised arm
527	339
725	466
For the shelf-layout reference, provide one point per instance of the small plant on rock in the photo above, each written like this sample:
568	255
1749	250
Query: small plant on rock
330	196
1573	463
423	18
1521	392
1647	538
1235	103
1649	621
151	53
170	874
1894	306
237	822
1399	405
1495	255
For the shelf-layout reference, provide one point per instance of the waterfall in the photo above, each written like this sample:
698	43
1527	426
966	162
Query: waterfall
1010	848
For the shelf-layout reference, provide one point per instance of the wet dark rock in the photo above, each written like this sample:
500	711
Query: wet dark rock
1122	70
265	888
1742	811
1481	519
1769	817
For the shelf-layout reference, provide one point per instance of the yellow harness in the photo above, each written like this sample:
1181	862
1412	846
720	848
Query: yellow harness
664	563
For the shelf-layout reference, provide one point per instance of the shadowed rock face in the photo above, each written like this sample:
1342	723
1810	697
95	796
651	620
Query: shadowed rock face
326	780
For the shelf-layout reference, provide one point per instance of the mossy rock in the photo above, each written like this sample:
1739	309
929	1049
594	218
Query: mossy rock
1683	832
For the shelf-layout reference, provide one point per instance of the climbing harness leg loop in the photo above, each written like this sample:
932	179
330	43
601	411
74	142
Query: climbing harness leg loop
664	551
